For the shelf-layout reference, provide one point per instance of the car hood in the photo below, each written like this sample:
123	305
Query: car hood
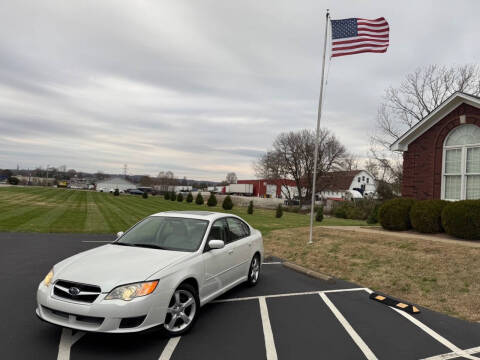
113	265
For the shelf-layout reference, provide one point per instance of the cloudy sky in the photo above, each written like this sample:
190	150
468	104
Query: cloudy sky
199	87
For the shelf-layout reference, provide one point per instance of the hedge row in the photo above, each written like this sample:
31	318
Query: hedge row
460	219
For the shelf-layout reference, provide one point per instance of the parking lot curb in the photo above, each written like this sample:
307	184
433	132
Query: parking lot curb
401	305
309	272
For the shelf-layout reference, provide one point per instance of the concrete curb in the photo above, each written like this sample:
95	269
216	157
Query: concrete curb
309	272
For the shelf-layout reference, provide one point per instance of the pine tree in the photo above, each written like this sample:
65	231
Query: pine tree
227	203
180	197
173	196
199	199
279	212
189	197
212	200
167	195
319	214
250	207
145	195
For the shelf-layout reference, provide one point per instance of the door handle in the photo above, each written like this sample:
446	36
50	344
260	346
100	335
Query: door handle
230	252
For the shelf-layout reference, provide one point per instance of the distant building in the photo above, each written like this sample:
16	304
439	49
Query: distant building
346	185
182	188
111	184
334	185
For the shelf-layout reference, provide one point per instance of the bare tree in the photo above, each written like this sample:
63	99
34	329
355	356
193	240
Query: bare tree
292	157
165	180
421	92
231	178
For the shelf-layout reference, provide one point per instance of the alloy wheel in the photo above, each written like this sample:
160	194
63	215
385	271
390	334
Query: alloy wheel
254	270
181	311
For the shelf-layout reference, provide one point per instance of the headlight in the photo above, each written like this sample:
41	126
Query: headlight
48	279
131	291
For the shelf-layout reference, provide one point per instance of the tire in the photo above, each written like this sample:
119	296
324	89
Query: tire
254	271
182	310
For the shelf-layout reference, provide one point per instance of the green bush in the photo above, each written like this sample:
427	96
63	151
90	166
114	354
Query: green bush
145	195
373	216
279	212
426	216
227	203
340	212
189	197
173	196
167	196
395	214
462	219
116	192
250	207
212	200
359	209
319	214
180	197
199	199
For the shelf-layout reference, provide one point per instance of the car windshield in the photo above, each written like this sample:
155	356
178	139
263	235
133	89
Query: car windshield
169	233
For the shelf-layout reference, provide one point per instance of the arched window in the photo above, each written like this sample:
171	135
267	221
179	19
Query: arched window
461	164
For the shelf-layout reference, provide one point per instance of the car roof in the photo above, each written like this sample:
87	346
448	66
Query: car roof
206	215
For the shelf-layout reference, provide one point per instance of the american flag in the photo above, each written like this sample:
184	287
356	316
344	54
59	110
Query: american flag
355	35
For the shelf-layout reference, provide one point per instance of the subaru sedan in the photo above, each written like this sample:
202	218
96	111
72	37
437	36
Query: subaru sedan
158	273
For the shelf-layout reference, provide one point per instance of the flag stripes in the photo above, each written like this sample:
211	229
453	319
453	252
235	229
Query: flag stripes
357	35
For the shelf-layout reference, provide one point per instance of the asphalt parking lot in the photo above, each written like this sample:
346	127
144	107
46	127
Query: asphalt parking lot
286	316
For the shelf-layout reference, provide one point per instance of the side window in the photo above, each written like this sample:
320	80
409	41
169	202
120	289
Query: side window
219	231
246	229
236	229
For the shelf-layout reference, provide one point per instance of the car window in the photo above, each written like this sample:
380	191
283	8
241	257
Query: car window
236	229
246	229
219	231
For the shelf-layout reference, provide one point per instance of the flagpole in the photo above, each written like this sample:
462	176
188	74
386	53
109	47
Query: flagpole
317	134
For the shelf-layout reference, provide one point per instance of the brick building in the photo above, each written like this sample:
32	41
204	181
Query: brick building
441	153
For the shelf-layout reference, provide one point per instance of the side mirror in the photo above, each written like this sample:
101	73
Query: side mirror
216	244
120	234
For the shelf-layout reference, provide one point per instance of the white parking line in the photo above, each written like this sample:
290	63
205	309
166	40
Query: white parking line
272	263
455	350
267	330
67	339
288	294
353	334
453	355
436	336
169	348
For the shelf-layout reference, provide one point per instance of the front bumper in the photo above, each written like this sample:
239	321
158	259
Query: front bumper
103	315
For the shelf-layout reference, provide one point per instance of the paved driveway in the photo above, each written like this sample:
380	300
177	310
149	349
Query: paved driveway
286	316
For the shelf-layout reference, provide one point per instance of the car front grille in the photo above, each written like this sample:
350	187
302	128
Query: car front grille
76	291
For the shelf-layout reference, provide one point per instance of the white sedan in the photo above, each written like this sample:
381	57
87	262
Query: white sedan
159	272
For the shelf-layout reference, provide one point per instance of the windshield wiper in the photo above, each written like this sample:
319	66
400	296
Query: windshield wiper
152	246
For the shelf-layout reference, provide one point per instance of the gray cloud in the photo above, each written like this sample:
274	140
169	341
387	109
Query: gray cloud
200	88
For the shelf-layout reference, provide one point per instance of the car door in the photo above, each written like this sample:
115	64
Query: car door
218	263
240	241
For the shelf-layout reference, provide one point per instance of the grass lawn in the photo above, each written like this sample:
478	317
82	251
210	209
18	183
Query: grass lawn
36	209
440	276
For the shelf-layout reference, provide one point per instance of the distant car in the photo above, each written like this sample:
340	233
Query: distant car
135	192
157	273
